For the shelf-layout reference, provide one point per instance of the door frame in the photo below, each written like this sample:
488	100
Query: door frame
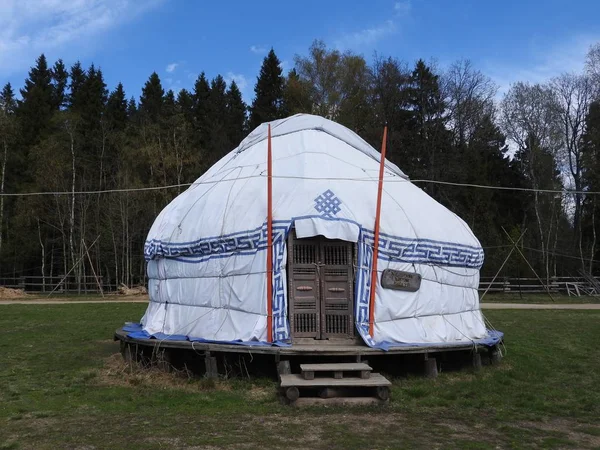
318	281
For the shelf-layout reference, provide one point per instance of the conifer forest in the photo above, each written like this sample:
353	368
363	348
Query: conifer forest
90	147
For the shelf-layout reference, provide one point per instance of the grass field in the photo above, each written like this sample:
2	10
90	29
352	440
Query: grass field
62	386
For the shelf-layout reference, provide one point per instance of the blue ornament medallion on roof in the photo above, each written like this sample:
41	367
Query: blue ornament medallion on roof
328	204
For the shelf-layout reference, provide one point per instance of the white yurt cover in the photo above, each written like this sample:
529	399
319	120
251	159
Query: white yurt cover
206	251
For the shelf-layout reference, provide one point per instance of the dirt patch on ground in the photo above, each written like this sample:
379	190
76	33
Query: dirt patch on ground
260	393
569	428
8	293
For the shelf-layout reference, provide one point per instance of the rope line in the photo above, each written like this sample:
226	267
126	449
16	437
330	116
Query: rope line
261	175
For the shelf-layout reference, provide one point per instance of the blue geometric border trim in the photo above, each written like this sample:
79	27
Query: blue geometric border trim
281	328
426	251
395	248
362	290
219	245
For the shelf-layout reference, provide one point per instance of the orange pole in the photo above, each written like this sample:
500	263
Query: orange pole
269	240
376	232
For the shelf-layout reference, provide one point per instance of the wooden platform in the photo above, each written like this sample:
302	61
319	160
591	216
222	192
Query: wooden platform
318	348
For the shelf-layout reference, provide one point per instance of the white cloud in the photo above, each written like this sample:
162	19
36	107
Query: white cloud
30	27
171	67
402	8
545	61
259	50
240	80
367	36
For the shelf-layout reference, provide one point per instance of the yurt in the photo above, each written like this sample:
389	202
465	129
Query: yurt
275	245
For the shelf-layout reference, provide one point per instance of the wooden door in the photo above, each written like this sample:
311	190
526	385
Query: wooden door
337	318
320	290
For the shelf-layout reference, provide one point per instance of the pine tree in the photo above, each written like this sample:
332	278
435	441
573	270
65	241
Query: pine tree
132	108
185	102
151	101
218	141
390	95
7	139
169	102
35	109
116	109
94	96
115	123
59	84
269	90
77	80
201	112
236	115
8	104
428	140
486	162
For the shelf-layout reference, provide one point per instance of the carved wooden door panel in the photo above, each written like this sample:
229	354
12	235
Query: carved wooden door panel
321	293
304	298
336	289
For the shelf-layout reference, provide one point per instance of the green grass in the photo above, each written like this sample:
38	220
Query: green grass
61	386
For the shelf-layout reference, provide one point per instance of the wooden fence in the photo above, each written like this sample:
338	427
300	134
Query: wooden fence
572	286
70	285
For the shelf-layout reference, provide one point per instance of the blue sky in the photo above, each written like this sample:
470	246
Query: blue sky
509	40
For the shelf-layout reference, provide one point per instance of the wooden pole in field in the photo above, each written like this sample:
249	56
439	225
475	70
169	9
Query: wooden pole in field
376	232
269	239
72	268
545	285
87	251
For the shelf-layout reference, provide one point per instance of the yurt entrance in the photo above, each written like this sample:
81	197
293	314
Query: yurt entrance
321	294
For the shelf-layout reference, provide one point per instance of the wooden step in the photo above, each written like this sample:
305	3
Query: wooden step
339	401
338	369
297	380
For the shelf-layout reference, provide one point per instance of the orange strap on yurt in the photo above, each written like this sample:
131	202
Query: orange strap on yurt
376	233
269	240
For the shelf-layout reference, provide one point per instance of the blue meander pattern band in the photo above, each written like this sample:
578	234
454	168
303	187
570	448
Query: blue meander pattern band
394	248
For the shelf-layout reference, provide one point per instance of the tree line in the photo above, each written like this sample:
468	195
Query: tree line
67	132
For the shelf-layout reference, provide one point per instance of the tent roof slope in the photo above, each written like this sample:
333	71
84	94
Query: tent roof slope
302	122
